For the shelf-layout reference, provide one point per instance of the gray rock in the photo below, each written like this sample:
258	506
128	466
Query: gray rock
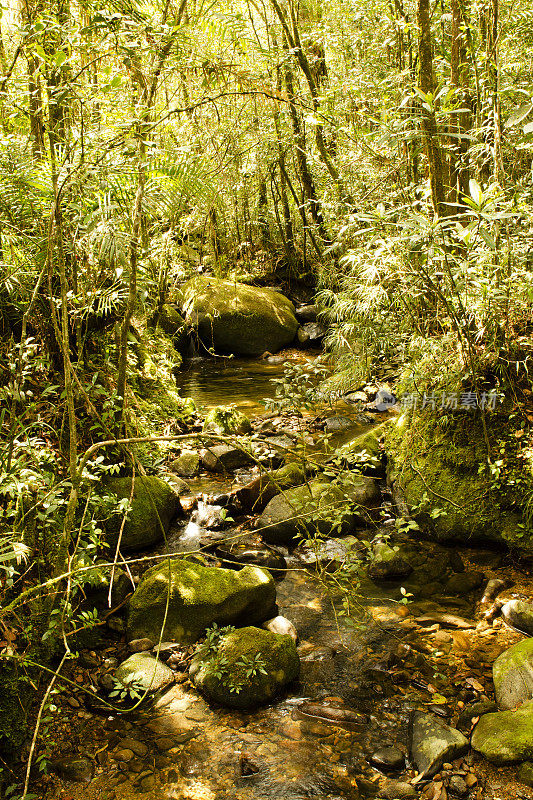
186	465
73	768
512	673
339	423
519	615
145	672
388	759
224	458
311	334
281	625
458	786
433	742
506	736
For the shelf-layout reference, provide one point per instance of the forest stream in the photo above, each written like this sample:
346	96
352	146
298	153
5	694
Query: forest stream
343	729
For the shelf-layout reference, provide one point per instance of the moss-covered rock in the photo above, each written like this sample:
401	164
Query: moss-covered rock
506	736
364	451
254	496
144	672
235	318
438	466
153	506
187	597
330	508
512	673
226	679
227	420
187	464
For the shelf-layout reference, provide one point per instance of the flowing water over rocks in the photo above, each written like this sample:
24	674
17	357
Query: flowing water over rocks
347	728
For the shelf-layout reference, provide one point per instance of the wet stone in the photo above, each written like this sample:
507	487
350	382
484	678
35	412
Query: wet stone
457	786
78	770
397	790
123	755
140	645
388	759
139	748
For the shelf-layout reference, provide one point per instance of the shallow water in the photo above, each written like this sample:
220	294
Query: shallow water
243	382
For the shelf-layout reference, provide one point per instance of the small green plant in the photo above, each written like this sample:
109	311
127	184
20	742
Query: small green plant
127	689
234	676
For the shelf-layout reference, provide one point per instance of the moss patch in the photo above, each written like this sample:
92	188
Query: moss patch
186	598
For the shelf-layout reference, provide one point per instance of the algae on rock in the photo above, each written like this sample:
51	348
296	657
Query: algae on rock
235	318
179	598
226	677
153	506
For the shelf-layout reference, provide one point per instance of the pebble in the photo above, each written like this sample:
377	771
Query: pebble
123	755
73	703
139	748
388	758
458	786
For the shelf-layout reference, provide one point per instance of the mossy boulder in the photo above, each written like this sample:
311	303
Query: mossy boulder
187	597
153	506
445	467
187	464
254	496
364	450
227	420
327	507
235	318
145	672
512	673
506	736
225	678
172	323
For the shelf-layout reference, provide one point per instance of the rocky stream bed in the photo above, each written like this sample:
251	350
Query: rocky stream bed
386	699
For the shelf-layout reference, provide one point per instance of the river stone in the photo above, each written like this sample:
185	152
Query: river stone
153	506
140	645
388	563
74	768
235	318
145	672
512	673
311	333
519	615
278	656
227	420
388	759
306	313
197	597
281	625
433	742
256	495
397	790
506	736
472	710
364	450
186	465
317	505
251	551
224	458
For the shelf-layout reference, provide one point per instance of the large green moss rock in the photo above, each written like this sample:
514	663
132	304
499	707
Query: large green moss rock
225	678
186	598
329	508
235	318
153	506
512	673
444	467
227	420
256	494
506	736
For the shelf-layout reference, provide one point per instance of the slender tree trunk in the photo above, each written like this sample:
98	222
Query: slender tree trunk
426	84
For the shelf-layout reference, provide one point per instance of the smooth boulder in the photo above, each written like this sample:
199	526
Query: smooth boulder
224	458
235	318
153	506
144	673
519	614
225	676
433	742
506	736
329	508
186	598
512	673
